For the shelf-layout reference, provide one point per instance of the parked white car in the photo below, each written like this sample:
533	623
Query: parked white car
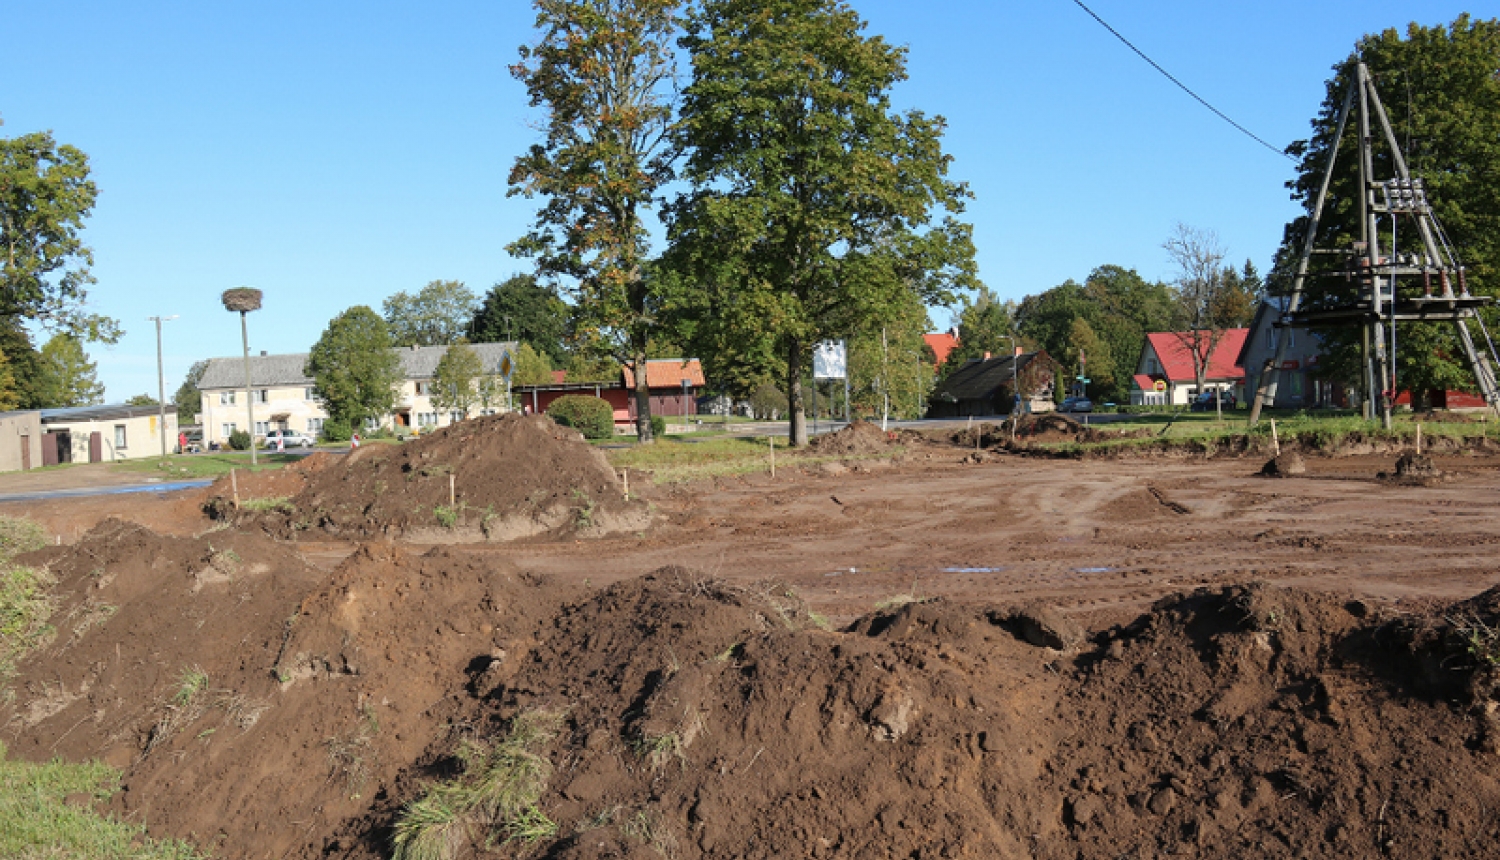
290	438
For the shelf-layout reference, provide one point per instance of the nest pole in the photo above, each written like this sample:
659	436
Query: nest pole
244	300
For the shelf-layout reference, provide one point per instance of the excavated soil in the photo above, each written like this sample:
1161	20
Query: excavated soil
1133	658
501	477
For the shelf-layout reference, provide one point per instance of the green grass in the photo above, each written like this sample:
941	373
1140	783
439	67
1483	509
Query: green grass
282	504
497	795
191	466
26	603
674	459
37	822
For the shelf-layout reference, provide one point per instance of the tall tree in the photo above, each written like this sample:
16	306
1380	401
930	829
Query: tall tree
812	204
24	361
353	367
10	396
1439	88
1200	293
68	378
522	309
985	325
45	194
532	367
604	73
438	315
188	399
1088	353
455	381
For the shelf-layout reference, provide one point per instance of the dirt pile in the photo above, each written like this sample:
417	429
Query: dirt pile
256	704
500	477
1284	465
702	720
861	438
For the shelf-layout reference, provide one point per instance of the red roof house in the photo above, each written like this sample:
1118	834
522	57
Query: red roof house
942	343
1165	374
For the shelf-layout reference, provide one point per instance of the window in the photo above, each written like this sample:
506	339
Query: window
309	394
226	398
315	426
371	423
455	417
119	436
262	428
1291	338
261	396
229	429
424	389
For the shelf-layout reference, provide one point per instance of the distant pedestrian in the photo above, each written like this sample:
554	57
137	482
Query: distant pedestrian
280	444
181	443
354	442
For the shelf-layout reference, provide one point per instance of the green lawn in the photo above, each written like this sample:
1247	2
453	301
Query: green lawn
37	822
210	465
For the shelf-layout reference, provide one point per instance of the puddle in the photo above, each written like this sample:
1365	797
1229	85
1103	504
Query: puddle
1093	570
972	570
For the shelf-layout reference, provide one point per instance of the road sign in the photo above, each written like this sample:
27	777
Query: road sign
1084	379
1161	385
506	365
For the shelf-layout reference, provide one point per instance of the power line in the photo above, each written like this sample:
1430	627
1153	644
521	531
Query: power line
1180	84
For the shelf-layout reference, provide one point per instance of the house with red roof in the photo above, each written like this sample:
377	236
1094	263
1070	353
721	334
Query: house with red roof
669	397
1165	372
941	343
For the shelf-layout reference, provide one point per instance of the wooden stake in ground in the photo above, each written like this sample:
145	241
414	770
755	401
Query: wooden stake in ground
625	477
772	440
1275	443
234	483
1419	438
452	497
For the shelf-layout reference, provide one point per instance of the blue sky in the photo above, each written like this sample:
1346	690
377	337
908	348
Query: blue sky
334	153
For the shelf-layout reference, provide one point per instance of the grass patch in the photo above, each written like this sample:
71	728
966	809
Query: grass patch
192	466
280	504
26	604
37	822
18	535
496	797
674	459
449	515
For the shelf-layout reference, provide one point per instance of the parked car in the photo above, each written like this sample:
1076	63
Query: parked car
1076	404
1205	402
290	438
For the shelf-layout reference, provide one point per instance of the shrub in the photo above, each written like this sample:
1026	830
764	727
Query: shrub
337	430
658	425
239	440
591	416
768	402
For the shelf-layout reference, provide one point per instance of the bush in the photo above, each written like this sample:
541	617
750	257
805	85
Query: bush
239	440
658	425
337	430
591	416
768	402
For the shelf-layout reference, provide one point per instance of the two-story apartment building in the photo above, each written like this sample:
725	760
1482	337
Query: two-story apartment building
281	393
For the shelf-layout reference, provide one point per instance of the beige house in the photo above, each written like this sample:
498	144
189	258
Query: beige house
106	434
281	393
20	440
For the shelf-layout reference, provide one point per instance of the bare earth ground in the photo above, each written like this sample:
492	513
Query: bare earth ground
1040	702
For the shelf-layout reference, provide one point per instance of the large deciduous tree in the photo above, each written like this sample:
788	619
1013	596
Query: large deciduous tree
811	214
1200	292
438	315
353	367
45	194
524	310
1438	86
188	399
23	360
604	73
68	378
985	325
455	382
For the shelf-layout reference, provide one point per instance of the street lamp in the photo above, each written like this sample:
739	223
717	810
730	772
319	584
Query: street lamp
161	385
245	300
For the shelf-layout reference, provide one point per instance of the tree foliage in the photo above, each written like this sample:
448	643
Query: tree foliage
438	315
812	203
1439	89
23	361
604	73
68	378
353	368
522	309
455	382
188	399
985	325
531	367
10	396
45	195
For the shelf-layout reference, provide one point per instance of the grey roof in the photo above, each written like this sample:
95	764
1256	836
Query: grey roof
273	371
106	412
979	380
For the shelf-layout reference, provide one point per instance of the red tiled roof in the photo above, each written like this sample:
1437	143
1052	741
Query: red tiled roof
1173	350
942	343
1144	382
669	373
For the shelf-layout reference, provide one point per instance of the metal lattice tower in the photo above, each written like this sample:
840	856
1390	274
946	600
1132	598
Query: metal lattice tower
1387	279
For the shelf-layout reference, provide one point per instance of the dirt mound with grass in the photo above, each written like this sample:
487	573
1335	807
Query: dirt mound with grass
500	477
860	438
256	704
679	716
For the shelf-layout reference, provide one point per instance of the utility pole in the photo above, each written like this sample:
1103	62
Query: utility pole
161	386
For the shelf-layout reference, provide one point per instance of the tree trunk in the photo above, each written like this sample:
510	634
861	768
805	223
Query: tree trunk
796	415
643	432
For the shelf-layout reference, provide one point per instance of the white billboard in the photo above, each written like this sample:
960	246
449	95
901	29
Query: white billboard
830	360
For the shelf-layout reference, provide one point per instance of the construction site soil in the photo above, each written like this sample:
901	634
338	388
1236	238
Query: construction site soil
899	646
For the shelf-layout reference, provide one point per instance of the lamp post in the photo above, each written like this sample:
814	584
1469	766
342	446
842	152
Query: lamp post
1015	391
245	300
161	385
